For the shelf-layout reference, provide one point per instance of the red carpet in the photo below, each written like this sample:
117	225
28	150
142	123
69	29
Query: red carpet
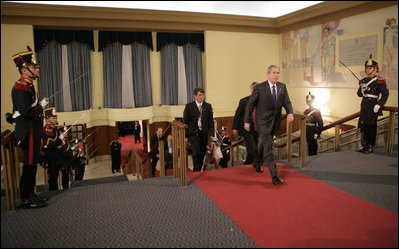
128	144
303	212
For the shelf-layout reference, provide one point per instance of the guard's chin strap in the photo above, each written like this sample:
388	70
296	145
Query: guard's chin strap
34	75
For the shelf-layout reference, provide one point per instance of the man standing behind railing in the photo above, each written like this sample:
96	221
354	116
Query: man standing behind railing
269	97
198	116
155	152
371	107
251	136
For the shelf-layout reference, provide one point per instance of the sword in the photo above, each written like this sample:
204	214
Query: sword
65	132
349	70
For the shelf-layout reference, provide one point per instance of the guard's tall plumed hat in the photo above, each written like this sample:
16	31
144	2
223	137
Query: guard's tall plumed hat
371	63
24	59
50	112
309	97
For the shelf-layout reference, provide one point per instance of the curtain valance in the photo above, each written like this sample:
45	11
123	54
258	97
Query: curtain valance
109	37
180	39
43	36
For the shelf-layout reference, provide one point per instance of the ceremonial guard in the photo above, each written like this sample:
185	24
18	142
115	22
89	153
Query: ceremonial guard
81	165
28	117
137	130
67	158
52	142
226	142
115	148
369	90
314	126
75	162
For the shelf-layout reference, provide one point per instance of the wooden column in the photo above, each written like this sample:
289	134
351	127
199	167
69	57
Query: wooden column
302	145
175	141
179	138
337	133
161	158
289	141
391	133
10	173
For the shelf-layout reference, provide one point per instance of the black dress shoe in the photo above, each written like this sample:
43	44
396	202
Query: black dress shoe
258	168
40	198
29	203
362	149
277	181
369	150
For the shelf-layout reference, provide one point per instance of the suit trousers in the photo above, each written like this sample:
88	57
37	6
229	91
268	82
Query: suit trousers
154	161
369	134
267	140
251	144
312	143
198	145
31	152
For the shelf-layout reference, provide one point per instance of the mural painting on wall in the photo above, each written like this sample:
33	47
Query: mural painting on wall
390	57
310	56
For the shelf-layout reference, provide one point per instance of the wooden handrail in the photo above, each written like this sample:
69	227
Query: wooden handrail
179	124
390	108
341	121
234	144
336	124
6	136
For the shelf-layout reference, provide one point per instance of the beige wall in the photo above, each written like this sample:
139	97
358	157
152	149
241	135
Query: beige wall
231	62
14	38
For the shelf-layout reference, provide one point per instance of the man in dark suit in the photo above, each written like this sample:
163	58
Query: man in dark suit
269	97
115	147
28	116
137	130
251	136
198	115
155	152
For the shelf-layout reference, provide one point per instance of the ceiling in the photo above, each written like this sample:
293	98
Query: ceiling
270	9
115	18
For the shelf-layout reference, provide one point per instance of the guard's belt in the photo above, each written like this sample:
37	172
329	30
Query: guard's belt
370	96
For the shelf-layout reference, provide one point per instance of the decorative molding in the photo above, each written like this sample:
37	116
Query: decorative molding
117	19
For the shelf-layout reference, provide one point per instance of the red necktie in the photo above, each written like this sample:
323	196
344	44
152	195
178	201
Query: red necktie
253	115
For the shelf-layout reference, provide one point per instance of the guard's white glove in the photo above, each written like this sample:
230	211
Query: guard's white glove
16	114
44	102
62	136
73	147
315	136
376	108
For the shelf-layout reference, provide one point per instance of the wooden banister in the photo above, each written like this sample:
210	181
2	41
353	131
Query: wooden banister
11	169
179	151
336	124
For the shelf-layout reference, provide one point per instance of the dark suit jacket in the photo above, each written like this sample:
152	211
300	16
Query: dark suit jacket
190	118
268	115
238	123
153	141
137	129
